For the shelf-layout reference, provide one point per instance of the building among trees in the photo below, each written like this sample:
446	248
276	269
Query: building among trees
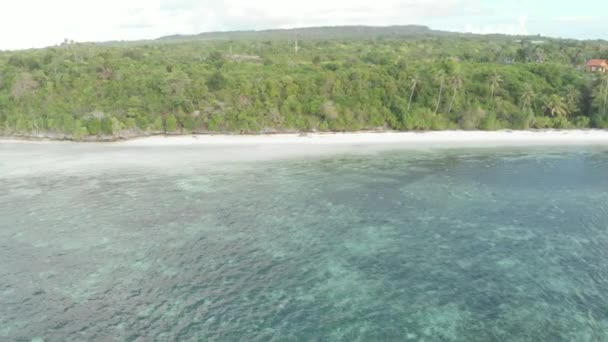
597	65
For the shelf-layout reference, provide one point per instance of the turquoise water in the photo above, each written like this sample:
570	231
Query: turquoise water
459	245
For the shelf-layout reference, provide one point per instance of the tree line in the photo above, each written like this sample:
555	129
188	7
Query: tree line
88	91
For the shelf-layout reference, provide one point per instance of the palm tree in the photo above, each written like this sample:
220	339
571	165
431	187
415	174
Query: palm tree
495	82
573	97
556	105
600	95
440	77
605	93
413	84
527	97
456	82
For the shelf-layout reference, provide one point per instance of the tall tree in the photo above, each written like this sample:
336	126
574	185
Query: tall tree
527	98
556	106
456	83
413	84
440	78
495	82
573	98
605	96
600	95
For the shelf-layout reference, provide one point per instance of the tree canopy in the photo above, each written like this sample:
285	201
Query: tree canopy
337	82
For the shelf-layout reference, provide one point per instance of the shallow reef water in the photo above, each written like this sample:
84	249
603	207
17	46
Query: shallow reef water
452	245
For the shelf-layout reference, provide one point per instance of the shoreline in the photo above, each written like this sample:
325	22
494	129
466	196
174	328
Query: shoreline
175	153
403	139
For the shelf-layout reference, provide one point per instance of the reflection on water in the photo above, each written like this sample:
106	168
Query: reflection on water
451	246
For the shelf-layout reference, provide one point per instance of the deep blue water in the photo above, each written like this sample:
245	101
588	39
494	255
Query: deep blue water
458	245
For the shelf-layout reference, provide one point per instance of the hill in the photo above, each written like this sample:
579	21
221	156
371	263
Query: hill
319	33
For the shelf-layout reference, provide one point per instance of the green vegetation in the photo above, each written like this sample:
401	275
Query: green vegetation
341	79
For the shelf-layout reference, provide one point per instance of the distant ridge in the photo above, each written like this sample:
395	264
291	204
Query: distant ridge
318	33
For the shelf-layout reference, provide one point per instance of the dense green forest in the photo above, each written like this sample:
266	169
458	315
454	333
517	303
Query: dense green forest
318	79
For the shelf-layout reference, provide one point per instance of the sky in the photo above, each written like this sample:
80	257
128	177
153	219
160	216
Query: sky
39	23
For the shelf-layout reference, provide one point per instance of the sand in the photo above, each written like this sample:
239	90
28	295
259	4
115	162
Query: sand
440	139
445	139
175	153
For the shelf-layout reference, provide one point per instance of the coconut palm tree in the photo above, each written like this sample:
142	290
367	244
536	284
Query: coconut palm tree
556	105
605	95
440	77
456	83
573	97
413	84
527	97
600	95
495	82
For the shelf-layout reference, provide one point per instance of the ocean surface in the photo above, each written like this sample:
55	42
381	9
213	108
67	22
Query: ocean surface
102	243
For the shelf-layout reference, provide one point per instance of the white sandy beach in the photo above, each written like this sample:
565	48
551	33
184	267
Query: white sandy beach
439	139
181	152
442	139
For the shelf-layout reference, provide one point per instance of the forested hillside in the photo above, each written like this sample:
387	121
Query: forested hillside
407	78
320	33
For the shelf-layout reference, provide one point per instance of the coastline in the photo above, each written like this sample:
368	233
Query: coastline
173	154
444	139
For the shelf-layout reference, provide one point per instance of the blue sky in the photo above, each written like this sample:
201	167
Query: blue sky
101	20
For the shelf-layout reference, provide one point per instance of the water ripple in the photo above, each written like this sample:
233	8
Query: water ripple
450	246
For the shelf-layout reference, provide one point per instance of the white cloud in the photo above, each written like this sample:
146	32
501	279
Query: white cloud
37	23
519	27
